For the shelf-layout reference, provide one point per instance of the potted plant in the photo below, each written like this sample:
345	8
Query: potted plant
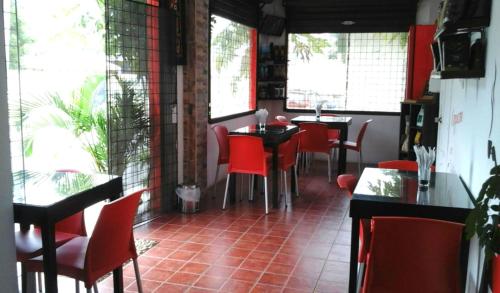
483	221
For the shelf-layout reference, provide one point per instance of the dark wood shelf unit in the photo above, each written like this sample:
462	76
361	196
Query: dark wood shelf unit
428	130
449	74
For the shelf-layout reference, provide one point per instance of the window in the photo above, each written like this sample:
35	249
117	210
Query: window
232	68
87	92
347	71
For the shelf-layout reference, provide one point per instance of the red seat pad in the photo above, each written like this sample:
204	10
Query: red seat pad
29	243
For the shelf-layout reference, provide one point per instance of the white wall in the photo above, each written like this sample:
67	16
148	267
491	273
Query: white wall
8	281
462	146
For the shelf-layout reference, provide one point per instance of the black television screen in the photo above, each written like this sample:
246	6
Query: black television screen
272	25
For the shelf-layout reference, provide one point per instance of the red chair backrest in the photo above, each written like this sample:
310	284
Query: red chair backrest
281	119
221	133
361	133
246	155
315	138
495	274
413	255
74	224
112	242
347	182
403	165
289	151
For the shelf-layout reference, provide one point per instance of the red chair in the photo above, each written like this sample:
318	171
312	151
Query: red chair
403	165
315	140
413	255
221	133
29	243
112	243
357	145
333	134
348	182
287	159
247	156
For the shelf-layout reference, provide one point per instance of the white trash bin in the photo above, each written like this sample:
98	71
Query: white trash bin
188	198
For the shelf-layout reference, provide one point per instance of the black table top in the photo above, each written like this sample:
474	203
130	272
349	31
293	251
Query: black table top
394	186
323	119
44	189
271	134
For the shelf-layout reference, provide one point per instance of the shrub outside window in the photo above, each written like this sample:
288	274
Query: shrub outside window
233	56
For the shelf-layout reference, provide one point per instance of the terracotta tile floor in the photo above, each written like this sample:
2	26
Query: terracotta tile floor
304	248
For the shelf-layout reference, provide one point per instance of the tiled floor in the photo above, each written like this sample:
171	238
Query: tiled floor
301	249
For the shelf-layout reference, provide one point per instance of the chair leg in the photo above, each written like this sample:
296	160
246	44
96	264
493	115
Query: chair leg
97	291
215	181
225	192
252	183
137	275
89	290
265	193
329	168
286	189
77	286
296	181
359	163
39	281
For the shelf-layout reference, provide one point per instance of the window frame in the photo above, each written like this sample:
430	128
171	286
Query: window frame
340	112
209	108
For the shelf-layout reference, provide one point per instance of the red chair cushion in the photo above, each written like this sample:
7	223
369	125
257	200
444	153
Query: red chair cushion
29	243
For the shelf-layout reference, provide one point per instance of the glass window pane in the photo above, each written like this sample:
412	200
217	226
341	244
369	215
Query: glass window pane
349	72
232	68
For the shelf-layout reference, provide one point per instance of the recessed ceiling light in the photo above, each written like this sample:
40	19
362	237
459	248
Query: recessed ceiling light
348	22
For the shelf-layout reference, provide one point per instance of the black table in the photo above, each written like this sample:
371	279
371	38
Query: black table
386	192
43	199
273	136
337	122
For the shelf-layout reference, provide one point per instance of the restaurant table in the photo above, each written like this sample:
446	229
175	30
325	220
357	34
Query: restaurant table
43	199
337	122
387	192
273	136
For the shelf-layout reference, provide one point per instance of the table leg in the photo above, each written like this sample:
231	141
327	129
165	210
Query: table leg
275	177
292	188
49	257
232	188
118	280
342	150
353	267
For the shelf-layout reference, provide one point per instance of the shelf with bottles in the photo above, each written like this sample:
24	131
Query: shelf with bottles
460	54
271	91
460	40
418	126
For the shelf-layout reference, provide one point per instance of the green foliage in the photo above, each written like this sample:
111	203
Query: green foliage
227	42
76	115
129	126
484	219
307	44
19	41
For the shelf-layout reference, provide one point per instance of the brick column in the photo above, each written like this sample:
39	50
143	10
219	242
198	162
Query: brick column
196	81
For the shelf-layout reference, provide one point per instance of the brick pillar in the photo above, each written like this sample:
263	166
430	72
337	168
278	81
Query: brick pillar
196	92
